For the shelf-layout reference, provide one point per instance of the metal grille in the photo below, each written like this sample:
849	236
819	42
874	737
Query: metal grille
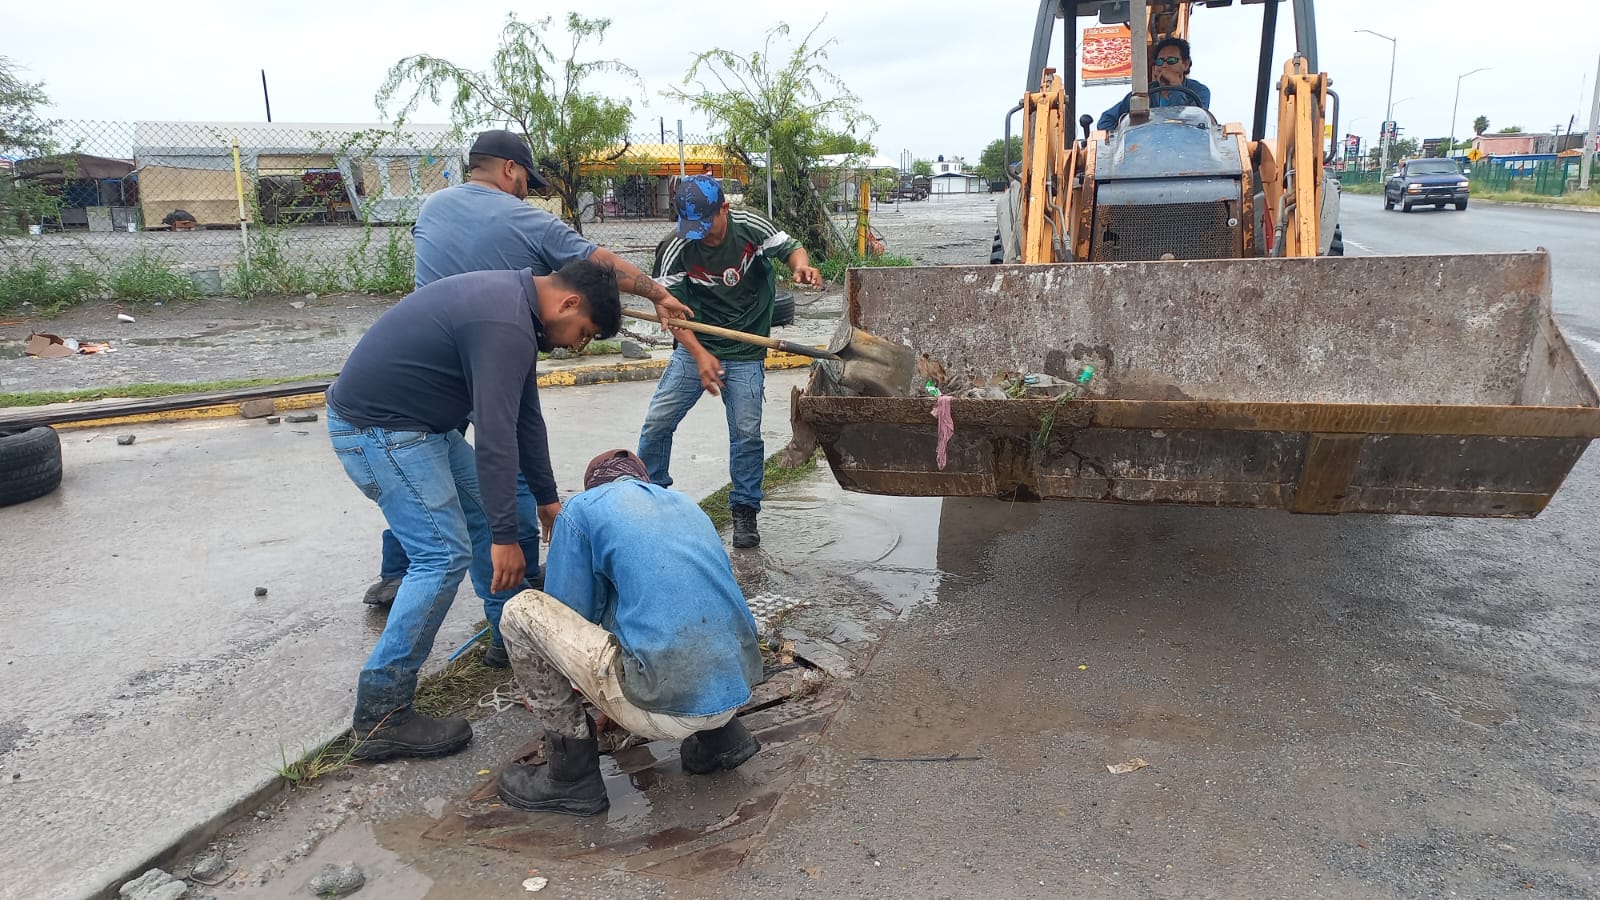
1185	230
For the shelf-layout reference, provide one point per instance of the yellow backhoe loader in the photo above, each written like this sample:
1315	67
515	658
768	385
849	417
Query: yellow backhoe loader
1167	318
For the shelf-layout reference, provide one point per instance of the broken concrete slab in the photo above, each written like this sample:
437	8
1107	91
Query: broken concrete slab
336	881
300	418
153	885
255	409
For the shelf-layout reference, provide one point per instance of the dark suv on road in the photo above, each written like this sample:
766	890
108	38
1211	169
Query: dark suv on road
1425	181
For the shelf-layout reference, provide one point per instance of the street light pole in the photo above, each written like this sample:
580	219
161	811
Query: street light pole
1383	155
1588	143
1457	105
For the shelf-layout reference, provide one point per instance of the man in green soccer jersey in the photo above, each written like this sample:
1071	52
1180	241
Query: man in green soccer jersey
718	265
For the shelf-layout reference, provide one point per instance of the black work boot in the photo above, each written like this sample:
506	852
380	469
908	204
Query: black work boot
496	657
410	734
382	592
724	748
745	534
568	783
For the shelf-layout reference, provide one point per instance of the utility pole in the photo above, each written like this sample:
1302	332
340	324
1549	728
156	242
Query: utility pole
1588	143
1383	154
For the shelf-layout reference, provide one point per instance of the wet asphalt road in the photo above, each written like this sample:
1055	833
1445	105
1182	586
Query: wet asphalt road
1329	707
1351	707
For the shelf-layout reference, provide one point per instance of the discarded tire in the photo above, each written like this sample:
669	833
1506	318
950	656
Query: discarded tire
30	464
783	309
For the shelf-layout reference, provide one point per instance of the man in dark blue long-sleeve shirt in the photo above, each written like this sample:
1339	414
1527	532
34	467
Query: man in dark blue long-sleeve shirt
485	223
462	346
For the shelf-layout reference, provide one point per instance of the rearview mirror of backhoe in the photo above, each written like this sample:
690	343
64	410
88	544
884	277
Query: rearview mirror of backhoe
1115	14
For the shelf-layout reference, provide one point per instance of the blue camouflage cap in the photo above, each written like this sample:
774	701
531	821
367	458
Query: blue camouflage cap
697	200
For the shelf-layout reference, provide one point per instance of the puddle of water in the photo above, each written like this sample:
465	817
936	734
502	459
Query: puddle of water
165	342
388	873
630	796
272	332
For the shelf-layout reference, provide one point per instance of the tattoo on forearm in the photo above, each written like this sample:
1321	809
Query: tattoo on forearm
642	285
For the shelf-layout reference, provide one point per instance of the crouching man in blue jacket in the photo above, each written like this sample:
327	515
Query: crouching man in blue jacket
643	615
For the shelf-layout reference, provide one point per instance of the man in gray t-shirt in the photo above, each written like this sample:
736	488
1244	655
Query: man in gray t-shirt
485	223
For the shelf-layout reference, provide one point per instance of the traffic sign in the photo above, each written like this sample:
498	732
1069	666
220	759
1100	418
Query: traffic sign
1474	154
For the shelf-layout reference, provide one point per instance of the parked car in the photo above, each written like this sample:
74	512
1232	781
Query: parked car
1426	181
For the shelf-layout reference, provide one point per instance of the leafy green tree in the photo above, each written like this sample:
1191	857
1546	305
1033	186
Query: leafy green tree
992	162
785	108
24	133
528	89
1510	129
1404	148
1480	125
922	167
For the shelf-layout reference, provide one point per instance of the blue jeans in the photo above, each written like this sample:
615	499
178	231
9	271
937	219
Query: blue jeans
743	389
395	560
427	486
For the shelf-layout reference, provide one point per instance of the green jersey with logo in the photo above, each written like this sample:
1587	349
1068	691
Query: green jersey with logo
731	284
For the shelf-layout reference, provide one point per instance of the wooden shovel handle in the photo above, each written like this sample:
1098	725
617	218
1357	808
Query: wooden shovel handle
717	331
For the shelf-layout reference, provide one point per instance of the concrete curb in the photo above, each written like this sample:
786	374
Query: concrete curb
574	376
1563	207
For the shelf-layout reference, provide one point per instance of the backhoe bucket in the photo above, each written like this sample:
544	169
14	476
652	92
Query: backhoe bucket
1432	385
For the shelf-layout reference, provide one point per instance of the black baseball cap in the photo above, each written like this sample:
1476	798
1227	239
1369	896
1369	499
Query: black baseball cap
503	144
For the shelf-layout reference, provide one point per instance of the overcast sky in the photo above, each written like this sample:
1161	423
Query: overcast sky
937	75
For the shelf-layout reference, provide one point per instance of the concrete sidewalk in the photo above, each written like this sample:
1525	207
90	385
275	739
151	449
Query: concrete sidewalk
151	693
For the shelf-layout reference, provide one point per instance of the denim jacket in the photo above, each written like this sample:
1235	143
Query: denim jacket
646	564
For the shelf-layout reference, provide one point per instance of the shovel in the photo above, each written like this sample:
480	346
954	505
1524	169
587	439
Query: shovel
867	364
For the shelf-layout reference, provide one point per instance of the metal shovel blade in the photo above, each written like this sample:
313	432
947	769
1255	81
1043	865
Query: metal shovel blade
871	366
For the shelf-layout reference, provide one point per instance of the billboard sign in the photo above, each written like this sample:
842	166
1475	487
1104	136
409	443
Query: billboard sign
1107	55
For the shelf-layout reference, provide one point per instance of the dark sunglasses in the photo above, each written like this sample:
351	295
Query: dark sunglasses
1168	60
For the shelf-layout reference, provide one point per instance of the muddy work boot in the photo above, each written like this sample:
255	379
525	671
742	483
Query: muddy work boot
409	734
382	592
745	534
496	657
568	783
723	749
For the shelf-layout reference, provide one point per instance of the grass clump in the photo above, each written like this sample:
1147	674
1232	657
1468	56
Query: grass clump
149	276
776	476
143	391
47	287
325	760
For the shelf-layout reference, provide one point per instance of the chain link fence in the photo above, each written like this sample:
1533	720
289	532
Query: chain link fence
1538	177
179	209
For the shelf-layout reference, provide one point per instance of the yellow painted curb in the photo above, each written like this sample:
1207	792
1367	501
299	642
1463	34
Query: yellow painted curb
217	411
577	376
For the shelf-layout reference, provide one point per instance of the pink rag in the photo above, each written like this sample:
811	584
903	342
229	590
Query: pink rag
947	429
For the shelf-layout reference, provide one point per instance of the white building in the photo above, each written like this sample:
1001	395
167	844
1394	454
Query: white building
950	177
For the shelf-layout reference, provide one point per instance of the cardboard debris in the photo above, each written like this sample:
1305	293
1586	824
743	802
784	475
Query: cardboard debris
54	346
1132	765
